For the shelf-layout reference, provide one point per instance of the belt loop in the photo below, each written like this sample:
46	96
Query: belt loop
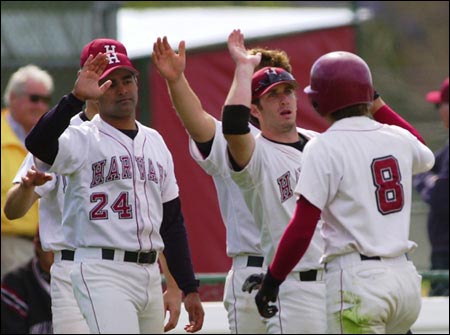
143	258
320	274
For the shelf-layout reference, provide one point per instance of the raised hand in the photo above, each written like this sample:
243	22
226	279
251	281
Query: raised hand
169	64
238	52
87	84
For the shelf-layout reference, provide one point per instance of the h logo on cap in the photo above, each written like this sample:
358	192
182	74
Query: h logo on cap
114	50
266	78
110	51
272	76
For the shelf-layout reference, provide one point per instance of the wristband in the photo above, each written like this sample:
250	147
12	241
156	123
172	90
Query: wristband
235	120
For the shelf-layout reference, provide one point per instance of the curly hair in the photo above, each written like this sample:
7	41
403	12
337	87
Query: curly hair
272	57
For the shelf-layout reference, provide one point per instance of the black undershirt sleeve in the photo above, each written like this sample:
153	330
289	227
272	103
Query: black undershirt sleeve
83	116
176	247
42	141
205	148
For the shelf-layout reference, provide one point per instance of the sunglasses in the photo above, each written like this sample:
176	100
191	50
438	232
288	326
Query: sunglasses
35	98
271	77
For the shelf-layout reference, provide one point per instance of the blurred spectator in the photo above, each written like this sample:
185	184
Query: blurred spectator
26	306
27	98
433	188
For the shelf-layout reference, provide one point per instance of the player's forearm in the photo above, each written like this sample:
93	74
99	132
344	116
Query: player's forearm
385	114
377	104
170	281
19	200
176	247
236	131
236	114
198	123
240	92
179	262
296	239
42	141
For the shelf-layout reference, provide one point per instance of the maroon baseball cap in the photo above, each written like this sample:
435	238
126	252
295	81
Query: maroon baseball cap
438	97
116	52
266	78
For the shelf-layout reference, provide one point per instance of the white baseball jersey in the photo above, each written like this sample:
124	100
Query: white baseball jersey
50	203
116	186
66	316
50	207
267	183
359	173
243	235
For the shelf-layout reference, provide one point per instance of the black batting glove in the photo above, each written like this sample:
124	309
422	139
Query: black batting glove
375	95
253	282
268	292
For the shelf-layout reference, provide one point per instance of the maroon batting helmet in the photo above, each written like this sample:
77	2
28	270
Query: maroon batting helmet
339	79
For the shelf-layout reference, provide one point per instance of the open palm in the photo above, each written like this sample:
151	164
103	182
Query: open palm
169	64
238	52
87	84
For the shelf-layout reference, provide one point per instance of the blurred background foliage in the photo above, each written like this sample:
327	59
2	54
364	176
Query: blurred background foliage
406	44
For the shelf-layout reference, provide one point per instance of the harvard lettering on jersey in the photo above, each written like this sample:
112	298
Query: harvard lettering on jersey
120	168
270	178
107	171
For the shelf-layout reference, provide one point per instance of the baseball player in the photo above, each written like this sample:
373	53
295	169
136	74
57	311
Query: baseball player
50	189
357	176
31	185
121	206
66	316
266	169
208	148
